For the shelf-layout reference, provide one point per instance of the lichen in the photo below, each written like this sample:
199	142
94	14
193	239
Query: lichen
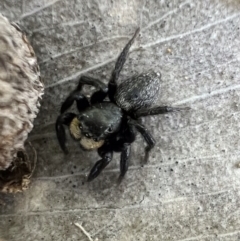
20	93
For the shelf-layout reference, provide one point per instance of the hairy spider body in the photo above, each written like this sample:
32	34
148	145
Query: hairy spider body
140	91
110	125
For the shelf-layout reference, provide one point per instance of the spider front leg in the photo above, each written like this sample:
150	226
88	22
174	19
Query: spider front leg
158	110
112	85
82	101
64	119
106	153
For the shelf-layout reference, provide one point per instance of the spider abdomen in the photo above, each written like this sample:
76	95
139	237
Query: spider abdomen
137	92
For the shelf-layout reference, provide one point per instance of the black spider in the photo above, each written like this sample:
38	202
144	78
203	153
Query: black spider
110	126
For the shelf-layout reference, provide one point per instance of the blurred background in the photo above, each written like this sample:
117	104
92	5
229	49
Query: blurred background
190	187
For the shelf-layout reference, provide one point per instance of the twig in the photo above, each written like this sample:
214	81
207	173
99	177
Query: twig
84	231
34	161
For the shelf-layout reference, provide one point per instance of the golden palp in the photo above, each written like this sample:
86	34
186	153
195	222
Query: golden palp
90	144
74	129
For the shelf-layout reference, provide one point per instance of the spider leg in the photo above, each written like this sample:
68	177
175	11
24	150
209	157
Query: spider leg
112	85
106	153
124	146
146	135
120	143
85	80
158	110
99	95
82	101
64	119
124	162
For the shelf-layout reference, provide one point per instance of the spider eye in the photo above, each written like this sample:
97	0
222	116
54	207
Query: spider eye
80	127
109	129
95	139
86	135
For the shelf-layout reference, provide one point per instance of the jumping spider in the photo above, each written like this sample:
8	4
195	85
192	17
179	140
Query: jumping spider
110	126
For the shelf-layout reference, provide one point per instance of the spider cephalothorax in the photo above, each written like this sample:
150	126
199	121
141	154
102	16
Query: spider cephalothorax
110	125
